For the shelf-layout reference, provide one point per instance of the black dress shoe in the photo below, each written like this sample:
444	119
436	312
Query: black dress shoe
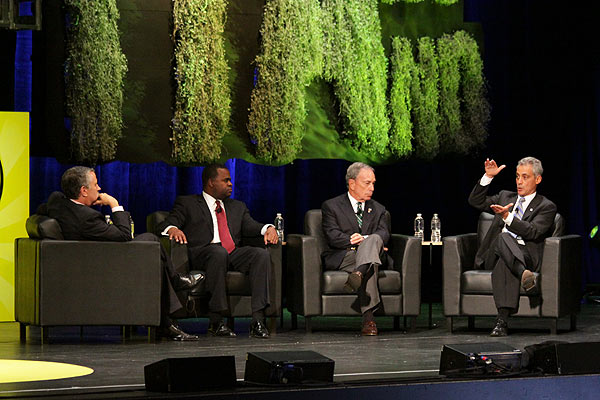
501	328
220	330
258	330
188	281
174	332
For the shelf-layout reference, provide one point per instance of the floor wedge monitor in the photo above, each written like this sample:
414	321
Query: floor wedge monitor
190	374
288	367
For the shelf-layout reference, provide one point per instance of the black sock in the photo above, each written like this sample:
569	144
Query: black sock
363	268
503	313
368	316
258	316
215	318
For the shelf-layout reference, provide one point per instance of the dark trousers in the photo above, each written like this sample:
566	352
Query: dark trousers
169	300
214	261
507	260
369	252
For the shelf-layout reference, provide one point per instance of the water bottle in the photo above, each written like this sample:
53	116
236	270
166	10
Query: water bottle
132	225
419	226
436	229
279	227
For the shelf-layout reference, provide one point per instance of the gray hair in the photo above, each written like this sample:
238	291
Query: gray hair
536	165
73	179
354	170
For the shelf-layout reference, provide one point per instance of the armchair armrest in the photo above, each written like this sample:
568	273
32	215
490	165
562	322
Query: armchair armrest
458	255
560	273
303	275
406	252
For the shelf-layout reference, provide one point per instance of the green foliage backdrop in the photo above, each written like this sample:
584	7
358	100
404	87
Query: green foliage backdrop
95	68
202	99
290	58
356	64
402	74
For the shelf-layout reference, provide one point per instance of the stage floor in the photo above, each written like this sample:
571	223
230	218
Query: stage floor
393	355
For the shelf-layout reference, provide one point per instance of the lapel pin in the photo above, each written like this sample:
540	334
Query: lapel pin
369	210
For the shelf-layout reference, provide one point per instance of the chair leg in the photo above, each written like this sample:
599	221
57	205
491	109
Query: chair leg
396	323
152	334
308	324
22	332
471	323
554	326
412	324
126	332
573	322
231	323
44	336
272	325
450	324
294	318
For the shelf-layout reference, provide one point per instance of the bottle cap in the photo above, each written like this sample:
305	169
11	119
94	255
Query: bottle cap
418	214
279	214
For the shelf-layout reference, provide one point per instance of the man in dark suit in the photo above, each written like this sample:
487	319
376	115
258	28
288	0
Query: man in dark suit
513	246
212	224
79	221
357	230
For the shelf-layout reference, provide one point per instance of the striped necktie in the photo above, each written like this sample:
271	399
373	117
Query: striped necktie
518	214
359	214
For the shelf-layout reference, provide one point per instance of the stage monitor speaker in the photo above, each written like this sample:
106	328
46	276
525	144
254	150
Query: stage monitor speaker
479	358
564	358
283	367
190	374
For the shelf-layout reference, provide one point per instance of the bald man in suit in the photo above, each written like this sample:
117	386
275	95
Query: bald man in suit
513	246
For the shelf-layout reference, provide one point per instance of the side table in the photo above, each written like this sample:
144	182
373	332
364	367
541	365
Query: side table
430	273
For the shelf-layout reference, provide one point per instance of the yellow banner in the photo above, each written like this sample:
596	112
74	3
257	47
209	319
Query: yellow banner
14	200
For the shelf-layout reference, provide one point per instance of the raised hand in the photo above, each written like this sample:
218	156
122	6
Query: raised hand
502	210
492	169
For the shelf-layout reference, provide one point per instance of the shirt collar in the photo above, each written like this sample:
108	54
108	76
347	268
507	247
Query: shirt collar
211	201
76	202
354	202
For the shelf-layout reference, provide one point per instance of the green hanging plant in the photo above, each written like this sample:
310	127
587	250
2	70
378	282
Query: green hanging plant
290	58
202	96
356	64
449	53
402	74
442	2
473	92
425	98
94	70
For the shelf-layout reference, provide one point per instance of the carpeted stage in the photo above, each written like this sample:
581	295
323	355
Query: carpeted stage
395	364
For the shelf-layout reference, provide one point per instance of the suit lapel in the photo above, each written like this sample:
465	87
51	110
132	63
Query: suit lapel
532	206
367	216
206	214
348	213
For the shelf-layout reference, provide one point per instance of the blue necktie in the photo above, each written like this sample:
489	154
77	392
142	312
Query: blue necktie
518	214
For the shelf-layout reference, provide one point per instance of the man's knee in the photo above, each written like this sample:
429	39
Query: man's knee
262	258
375	240
146	237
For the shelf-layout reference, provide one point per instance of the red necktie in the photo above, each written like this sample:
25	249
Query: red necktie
226	240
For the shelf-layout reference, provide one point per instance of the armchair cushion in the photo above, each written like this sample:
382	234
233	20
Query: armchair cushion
389	281
480	282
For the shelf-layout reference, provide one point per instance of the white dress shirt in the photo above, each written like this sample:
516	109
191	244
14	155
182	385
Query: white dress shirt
211	202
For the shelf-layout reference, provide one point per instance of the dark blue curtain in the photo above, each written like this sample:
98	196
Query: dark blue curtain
542	62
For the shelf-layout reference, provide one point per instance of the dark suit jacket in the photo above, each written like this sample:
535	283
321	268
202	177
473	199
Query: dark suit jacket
339	223
192	216
79	222
534	227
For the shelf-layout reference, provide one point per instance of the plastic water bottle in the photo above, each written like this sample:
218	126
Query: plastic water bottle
436	229
279	227
132	225
419	226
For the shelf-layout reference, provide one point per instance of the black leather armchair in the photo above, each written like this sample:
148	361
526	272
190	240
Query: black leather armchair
238	283
313	291
468	292
64	282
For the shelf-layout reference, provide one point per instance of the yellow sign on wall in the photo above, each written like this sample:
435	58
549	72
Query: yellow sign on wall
14	200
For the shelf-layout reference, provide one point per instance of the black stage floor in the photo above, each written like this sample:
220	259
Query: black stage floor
393	356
